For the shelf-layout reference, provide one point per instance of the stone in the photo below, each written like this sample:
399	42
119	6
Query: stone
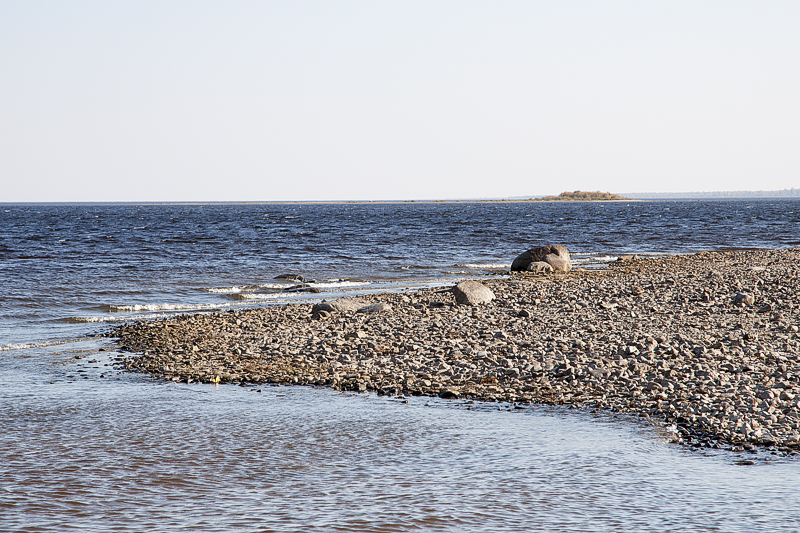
472	292
302	288
291	277
557	256
379	307
340	305
743	299
539	267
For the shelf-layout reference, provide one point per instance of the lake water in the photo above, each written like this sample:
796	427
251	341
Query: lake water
85	448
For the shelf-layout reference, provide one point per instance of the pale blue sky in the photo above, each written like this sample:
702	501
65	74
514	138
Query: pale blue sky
371	100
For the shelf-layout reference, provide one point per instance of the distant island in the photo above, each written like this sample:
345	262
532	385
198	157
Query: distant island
582	196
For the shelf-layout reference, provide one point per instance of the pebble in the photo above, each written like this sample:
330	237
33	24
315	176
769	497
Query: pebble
663	338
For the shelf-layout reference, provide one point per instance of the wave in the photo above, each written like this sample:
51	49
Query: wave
245	288
486	265
259	296
336	283
415	267
595	259
31	345
163	307
107	319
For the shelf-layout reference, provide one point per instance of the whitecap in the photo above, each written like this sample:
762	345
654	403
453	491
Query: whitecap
595	259
245	288
225	290
257	296
31	345
161	307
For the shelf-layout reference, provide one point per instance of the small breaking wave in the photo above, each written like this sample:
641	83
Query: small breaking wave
107	319
491	266
245	288
594	259
163	307
258	296
31	345
337	283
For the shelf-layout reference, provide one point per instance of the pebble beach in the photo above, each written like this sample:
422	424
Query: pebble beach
706	345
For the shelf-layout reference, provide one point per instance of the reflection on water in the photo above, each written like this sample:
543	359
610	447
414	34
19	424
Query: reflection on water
123	453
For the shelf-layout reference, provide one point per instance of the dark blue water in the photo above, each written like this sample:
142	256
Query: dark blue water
86	448
63	266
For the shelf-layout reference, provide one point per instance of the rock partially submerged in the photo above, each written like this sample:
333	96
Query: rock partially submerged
557	256
291	277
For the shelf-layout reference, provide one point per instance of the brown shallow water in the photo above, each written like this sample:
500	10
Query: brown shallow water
81	452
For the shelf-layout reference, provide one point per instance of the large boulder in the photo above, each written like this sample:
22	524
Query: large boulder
472	293
556	256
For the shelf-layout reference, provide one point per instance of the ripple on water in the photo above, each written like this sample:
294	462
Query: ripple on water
124	453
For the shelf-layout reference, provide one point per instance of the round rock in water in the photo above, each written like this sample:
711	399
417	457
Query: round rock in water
557	256
472	293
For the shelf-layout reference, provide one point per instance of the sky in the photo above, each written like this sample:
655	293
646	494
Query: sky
394	100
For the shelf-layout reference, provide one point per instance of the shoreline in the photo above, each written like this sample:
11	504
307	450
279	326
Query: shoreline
658	337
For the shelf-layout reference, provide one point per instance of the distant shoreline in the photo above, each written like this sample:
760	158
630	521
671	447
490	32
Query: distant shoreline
634	197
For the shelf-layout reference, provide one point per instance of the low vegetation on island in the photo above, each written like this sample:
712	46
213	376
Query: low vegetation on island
583	196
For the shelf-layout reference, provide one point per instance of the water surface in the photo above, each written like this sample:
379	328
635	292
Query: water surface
124	453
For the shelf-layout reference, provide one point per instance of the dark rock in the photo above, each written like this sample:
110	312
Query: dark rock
302	288
291	277
556	256
743	299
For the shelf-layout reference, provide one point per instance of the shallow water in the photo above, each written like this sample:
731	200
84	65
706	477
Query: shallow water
125	453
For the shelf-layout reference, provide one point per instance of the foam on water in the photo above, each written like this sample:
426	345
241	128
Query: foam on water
261	296
165	307
247	288
338	284
489	266
33	345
